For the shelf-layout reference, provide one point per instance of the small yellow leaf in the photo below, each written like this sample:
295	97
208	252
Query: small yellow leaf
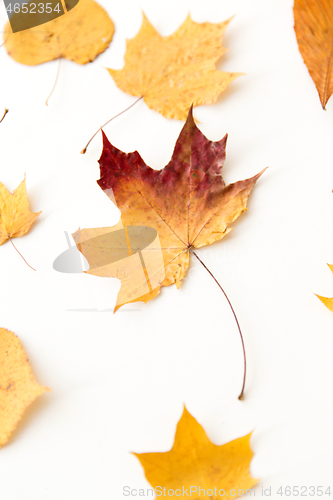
195	462
79	35
18	388
175	71
328	302
15	215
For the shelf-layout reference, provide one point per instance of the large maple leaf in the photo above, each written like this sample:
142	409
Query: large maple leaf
170	73
165	214
195	467
314	31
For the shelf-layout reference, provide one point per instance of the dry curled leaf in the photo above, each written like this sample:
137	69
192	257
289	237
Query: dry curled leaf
314	31
18	387
326	300
172	72
165	214
15	215
79	35
195	462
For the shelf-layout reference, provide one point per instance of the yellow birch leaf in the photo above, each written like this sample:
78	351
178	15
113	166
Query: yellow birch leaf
194	461
79	35
175	71
18	387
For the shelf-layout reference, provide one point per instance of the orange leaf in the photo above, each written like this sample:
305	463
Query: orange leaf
314	31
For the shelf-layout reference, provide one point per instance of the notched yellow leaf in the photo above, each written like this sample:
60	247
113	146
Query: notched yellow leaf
15	216
18	387
194	461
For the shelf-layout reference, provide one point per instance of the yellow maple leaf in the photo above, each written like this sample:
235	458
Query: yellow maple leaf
80	35
15	215
195	462
325	300
175	71
18	387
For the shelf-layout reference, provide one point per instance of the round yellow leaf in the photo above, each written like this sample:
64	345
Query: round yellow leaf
79	35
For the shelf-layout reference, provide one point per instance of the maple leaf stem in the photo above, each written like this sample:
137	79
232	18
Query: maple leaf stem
55	82
233	312
116	116
21	255
6	111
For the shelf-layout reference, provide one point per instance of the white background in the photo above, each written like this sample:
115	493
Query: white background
119	381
